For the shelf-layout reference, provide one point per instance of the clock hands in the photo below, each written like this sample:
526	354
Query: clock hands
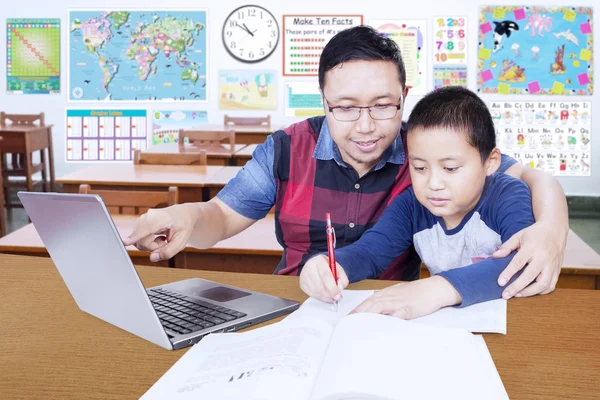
248	30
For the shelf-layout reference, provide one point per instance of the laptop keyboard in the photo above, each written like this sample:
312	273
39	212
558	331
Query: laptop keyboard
183	315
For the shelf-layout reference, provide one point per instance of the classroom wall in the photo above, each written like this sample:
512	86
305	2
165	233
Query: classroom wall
54	105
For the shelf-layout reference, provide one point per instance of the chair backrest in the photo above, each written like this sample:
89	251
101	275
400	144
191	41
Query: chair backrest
21	119
133	202
2	211
200	138
262	121
196	158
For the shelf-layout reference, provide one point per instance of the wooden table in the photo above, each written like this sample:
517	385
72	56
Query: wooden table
126	176
33	138
254	250
241	157
216	155
218	180
51	349
244	134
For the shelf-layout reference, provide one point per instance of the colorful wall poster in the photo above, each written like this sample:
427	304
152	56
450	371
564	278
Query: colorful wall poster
247	90
303	99
449	41
449	75
553	136
535	50
304	37
32	56
411	36
166	124
105	135
141	55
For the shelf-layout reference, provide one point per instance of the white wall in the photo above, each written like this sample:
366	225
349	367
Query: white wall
54	105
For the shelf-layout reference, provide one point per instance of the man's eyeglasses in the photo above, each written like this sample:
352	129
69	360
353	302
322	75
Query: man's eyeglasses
352	113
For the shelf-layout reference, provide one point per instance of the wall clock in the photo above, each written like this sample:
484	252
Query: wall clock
250	33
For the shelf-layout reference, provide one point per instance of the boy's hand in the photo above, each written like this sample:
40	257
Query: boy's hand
316	280
410	300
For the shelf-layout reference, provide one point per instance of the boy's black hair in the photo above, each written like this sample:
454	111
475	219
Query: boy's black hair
460	110
359	43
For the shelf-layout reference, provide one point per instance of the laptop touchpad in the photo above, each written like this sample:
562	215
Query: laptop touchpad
222	294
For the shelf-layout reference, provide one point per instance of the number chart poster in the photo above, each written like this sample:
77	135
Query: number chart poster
33	56
247	90
449	52
105	135
553	136
410	35
535	50
166	124
304	37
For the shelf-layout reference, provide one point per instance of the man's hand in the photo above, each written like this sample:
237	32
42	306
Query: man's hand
316	280
408	300
165	231
541	248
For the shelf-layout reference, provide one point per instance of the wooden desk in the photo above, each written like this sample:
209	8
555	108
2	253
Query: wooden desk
244	134
51	349
216	155
36	138
244	155
254	250
218	180
127	176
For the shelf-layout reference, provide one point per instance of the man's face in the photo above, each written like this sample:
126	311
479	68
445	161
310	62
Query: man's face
363	83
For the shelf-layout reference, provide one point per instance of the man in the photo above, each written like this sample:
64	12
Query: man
350	163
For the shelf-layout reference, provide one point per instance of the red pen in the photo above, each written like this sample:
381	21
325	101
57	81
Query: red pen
331	252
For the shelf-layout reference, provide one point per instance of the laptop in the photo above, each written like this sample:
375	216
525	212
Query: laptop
173	316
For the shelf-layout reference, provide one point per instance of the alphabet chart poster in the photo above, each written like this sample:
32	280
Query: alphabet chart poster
535	50
411	37
105	135
553	136
304	37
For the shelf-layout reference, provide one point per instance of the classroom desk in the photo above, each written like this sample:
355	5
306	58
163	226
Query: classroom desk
244	134
126	176
51	349
36	138
254	250
244	155
215	154
218	180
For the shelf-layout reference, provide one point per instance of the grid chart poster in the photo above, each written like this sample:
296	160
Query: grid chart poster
33	56
304	37
141	55
166	124
535	50
105	135
449	75
411	37
303	99
553	136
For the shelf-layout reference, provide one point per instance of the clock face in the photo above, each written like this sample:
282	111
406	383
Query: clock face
250	34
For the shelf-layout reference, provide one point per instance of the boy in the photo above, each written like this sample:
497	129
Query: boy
457	213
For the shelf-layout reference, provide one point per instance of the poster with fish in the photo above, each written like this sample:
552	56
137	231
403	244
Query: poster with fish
247	90
552	136
535	50
166	124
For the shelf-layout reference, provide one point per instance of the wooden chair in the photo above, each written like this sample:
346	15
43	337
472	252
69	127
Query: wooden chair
196	158
22	165
133	202
206	139
2	210
256	121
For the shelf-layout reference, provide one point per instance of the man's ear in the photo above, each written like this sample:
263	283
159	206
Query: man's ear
493	161
406	92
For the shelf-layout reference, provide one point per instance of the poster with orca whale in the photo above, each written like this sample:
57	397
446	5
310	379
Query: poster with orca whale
535	50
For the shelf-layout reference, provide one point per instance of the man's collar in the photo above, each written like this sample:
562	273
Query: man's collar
326	149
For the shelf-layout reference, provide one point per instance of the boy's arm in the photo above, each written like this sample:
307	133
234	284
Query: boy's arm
370	255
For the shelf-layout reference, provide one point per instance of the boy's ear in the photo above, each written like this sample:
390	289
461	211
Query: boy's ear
493	162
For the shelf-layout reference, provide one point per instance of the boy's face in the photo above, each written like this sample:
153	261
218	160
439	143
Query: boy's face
447	173
363	83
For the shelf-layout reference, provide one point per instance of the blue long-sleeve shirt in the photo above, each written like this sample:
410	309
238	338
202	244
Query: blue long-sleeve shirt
503	209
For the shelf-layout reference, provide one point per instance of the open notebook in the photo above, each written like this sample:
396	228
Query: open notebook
363	356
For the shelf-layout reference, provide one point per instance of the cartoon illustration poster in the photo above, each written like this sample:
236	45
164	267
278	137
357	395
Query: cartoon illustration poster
411	37
553	136
535	50
166	124
248	90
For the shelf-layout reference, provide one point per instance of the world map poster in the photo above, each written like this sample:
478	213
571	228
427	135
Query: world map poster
142	55
535	50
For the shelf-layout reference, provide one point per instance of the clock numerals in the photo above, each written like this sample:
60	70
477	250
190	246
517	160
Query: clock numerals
232	45
269	23
252	12
273	33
